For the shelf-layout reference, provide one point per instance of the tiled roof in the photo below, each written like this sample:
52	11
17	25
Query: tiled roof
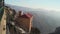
27	15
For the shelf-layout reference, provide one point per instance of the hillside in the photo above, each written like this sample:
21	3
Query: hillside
46	21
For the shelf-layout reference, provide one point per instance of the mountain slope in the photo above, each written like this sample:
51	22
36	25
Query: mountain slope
45	21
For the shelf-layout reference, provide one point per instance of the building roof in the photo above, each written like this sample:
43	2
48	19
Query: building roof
27	15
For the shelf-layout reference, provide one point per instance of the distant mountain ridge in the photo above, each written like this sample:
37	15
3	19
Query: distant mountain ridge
24	8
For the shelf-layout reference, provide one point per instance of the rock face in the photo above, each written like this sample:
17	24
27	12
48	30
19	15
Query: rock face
3	23
57	31
35	31
10	15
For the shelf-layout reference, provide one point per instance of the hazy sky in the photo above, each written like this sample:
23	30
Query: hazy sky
36	4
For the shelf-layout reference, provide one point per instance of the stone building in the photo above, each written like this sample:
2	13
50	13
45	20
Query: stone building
21	21
24	21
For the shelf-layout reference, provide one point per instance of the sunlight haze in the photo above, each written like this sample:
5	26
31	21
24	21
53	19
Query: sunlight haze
36	4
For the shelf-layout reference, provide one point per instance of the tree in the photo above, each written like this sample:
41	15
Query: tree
1	12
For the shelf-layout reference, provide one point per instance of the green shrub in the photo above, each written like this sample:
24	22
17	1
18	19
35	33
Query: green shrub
1	12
